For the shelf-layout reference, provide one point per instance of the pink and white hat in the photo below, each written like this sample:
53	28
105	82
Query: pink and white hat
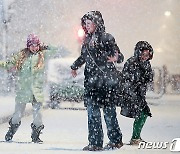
32	39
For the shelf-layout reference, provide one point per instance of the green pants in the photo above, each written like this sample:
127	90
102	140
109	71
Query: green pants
138	125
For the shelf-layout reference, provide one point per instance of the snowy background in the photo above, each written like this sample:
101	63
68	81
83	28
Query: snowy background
57	23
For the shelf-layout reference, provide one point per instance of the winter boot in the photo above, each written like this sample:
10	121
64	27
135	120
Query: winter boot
12	130
36	131
111	146
92	148
136	141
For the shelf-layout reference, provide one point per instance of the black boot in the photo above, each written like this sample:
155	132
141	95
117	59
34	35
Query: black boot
36	131
12	130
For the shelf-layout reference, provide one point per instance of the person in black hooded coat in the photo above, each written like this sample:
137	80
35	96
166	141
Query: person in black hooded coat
99	52
137	73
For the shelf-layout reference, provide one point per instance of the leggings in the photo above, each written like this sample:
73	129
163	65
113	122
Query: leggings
20	108
138	125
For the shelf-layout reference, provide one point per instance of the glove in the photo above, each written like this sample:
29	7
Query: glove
44	47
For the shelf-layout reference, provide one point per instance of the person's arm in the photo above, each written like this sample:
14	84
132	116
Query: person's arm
10	63
109	40
129	84
118	54
128	70
49	50
148	73
79	61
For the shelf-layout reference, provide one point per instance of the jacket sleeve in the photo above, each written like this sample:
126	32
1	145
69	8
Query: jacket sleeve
109	40
127	79
49	51
128	70
10	62
148	73
79	61
131	82
120	55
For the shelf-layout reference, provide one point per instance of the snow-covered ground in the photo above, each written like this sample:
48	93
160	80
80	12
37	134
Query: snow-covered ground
66	130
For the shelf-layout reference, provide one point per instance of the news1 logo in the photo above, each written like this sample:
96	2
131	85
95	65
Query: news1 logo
174	145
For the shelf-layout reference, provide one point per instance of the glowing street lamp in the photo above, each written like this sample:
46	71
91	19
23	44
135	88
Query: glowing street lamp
167	13
81	35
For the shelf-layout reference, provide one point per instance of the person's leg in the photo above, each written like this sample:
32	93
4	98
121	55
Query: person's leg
95	131
37	116
19	110
113	129
138	125
15	121
37	125
95	135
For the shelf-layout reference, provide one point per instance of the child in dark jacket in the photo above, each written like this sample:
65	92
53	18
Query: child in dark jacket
137	73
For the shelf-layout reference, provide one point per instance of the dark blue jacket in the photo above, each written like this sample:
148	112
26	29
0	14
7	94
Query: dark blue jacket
136	76
94	51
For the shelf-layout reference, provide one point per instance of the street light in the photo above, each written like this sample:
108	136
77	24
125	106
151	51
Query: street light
81	35
80	32
167	13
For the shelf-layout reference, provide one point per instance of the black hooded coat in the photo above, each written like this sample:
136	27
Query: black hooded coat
136	76
95	49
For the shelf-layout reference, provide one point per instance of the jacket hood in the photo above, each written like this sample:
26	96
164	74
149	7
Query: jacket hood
96	17
140	47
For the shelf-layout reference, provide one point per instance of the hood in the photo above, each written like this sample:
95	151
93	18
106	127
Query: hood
140	46
97	18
